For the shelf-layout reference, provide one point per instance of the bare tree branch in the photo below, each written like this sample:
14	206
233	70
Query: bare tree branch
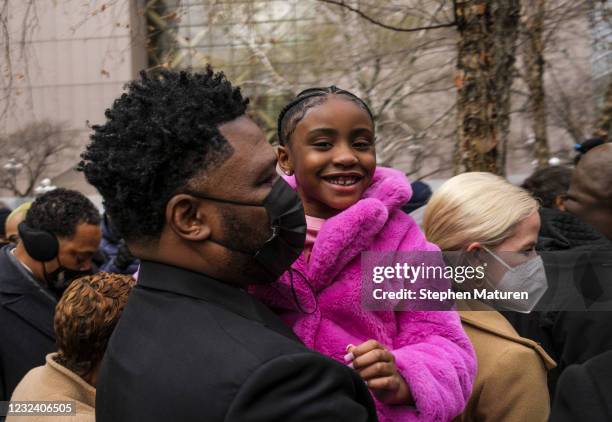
34	148
341	3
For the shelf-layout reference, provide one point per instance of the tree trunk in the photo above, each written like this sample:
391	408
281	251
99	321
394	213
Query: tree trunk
534	64
534	77
486	55
604	123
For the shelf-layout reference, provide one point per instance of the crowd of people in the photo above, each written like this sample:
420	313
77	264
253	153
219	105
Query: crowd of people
223	280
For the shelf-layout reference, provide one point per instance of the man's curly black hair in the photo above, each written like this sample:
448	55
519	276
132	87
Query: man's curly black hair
60	211
548	183
157	137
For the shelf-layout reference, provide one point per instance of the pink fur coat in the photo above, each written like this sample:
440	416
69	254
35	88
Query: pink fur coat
432	352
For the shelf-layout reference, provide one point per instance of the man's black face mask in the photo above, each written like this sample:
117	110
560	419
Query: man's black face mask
288	223
59	279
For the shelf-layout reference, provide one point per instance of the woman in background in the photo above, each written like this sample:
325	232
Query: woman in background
483	214
85	317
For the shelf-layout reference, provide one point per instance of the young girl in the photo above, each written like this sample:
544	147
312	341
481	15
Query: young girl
418	365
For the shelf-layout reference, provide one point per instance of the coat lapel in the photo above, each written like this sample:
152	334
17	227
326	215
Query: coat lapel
21	296
156	275
33	309
273	322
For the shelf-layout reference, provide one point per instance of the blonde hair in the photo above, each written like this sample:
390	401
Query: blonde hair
475	207
21	210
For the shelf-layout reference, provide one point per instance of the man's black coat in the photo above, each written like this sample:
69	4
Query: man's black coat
190	348
570	337
26	322
584	392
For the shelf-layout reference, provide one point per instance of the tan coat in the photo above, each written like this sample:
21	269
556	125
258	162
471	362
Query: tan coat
53	382
511	381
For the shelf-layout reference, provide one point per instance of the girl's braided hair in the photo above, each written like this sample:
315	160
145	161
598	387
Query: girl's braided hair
295	111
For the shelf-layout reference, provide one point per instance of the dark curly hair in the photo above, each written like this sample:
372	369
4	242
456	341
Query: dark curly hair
296	109
548	183
157	137
85	318
60	211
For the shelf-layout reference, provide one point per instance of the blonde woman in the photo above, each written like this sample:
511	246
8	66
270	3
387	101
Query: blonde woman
485	213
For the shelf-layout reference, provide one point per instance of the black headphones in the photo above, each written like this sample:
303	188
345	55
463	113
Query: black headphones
41	245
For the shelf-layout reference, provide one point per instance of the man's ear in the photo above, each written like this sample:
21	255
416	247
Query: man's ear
284	160
185	218
560	202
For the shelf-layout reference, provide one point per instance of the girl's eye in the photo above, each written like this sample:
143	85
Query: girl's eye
322	144
362	144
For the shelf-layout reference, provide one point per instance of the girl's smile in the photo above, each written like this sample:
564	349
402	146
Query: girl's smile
344	182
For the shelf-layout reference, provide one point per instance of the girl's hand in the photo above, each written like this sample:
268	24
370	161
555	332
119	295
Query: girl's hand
376	366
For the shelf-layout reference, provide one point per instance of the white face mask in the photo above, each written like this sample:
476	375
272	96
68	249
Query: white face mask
527	277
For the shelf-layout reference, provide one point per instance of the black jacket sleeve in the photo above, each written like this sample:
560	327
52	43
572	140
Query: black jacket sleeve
302	387
578	398
3	396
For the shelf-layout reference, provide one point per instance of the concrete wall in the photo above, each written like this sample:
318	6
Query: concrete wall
77	57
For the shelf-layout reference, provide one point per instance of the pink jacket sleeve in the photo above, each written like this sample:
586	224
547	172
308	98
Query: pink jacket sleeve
435	357
437	360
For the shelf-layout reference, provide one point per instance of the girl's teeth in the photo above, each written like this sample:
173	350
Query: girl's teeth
343	181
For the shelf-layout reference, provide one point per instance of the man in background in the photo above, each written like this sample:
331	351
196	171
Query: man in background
58	238
581	234
13	220
4	213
